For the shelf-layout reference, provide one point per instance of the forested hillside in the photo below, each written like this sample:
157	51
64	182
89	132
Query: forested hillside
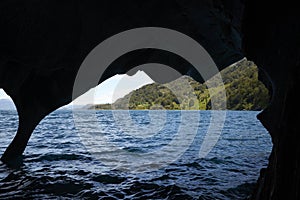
243	91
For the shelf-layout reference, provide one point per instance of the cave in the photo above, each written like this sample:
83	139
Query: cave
41	53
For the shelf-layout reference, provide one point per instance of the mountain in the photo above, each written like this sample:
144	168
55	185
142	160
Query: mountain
6	104
243	91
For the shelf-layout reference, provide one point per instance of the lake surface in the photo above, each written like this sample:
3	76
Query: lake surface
80	159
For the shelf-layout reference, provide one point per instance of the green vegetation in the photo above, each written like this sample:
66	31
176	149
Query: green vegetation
243	91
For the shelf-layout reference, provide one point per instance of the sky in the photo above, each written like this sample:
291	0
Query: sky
110	90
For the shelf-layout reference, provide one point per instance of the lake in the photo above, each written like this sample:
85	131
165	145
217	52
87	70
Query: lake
137	155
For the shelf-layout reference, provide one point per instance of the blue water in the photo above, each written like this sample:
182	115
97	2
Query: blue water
67	160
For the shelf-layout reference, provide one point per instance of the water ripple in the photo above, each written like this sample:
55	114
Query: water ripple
58	166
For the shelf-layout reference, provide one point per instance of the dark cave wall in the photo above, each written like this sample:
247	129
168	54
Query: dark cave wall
272	40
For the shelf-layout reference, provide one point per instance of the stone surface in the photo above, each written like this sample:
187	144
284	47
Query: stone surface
271	39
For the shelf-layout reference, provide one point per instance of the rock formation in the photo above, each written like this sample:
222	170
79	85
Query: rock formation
43	44
271	39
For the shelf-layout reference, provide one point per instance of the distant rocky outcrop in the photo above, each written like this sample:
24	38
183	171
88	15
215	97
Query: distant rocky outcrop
243	90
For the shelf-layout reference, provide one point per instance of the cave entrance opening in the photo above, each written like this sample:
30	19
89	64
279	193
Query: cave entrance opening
235	161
